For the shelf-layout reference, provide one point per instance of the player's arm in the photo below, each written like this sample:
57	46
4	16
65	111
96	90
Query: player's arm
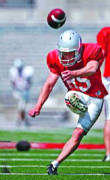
102	40
45	92
88	70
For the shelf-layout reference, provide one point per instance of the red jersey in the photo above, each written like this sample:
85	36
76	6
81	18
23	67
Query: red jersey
103	38
90	85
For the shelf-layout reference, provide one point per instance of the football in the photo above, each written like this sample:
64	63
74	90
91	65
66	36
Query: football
56	18
23	146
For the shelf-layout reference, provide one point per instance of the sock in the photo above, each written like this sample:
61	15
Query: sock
55	164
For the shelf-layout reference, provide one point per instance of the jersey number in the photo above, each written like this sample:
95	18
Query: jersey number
83	81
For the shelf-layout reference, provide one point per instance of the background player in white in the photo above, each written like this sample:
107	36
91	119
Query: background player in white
103	38
21	82
78	65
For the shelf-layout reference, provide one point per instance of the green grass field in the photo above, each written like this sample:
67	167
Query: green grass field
32	165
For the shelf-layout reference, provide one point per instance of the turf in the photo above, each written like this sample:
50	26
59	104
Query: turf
57	135
32	165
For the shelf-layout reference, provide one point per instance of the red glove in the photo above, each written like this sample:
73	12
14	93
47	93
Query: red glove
34	112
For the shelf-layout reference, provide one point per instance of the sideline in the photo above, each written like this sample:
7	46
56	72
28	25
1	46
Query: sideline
35	145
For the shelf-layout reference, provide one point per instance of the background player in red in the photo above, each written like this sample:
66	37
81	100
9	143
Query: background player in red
78	65
103	38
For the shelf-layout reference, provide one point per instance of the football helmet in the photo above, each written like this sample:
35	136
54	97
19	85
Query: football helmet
69	47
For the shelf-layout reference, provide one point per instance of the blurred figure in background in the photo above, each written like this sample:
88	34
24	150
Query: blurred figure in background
103	38
21	82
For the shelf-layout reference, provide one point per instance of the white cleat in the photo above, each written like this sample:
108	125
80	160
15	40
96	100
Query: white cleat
106	158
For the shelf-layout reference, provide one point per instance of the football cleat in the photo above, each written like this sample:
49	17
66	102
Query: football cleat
106	158
52	170
75	104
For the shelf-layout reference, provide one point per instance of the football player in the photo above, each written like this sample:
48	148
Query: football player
103	38
21	82
78	65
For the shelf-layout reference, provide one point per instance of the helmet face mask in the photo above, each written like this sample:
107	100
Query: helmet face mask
68	58
68	47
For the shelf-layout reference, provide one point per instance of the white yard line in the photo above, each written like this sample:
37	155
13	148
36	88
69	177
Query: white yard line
66	174
69	160
42	166
45	154
27	174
